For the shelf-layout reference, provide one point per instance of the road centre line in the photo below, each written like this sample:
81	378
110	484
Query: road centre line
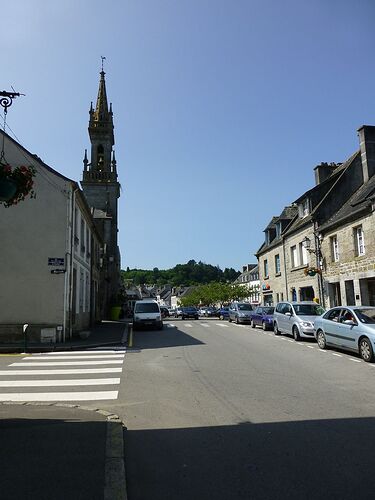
58	383
59	396
355	360
338	355
310	347
108	356
69	363
65	371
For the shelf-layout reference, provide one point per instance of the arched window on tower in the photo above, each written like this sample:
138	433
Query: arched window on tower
100	157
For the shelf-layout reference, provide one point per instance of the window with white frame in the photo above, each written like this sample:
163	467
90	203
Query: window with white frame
303	254
277	264
359	241
304	208
334	249
294	256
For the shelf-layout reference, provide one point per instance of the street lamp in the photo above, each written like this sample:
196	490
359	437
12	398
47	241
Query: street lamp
306	243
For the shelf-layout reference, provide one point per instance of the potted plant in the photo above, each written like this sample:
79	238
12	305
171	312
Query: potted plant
16	184
312	271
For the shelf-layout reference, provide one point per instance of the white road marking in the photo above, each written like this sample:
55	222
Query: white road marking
87	353
322	350
338	355
290	340
310	346
355	360
222	326
188	325
57	383
73	371
205	324
69	363
59	396
108	356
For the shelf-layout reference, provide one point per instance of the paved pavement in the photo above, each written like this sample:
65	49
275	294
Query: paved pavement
103	334
56	452
52	450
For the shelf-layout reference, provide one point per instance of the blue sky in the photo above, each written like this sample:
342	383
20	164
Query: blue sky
222	108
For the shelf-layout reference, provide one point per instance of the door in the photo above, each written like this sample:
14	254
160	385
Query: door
331	327
288	318
348	333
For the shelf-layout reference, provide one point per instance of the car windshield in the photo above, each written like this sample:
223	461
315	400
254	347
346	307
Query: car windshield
268	310
245	307
308	309
366	315
147	307
189	309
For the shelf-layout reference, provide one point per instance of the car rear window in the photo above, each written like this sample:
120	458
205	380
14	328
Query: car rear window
308	309
268	310
147	307
245	307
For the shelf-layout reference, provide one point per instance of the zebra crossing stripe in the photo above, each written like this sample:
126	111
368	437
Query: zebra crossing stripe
108	356
65	371
68	363
59	396
59	383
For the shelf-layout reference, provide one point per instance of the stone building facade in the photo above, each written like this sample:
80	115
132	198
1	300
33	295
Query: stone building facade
326	251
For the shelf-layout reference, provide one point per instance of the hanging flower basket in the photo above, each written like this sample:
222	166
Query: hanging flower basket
8	189
312	271
16	184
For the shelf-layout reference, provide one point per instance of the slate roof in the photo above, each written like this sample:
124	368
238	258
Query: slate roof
356	204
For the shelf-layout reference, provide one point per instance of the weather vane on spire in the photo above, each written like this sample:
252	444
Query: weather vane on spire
103	59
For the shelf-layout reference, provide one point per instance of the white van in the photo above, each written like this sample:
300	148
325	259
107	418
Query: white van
147	314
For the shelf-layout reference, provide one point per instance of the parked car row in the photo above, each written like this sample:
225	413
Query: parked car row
350	328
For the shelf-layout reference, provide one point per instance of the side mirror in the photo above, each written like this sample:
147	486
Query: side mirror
349	322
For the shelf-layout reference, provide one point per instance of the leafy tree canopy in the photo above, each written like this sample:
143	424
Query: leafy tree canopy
192	273
213	293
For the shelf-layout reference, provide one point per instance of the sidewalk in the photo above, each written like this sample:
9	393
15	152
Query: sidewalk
60	452
106	333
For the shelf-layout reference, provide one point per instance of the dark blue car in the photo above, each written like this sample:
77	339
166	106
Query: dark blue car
263	316
223	313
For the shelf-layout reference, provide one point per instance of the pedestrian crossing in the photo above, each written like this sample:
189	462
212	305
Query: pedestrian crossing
189	325
64	376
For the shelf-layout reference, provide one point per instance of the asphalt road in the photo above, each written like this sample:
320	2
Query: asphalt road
218	410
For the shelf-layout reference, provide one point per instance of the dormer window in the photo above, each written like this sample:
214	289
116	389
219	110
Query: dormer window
278	229
304	208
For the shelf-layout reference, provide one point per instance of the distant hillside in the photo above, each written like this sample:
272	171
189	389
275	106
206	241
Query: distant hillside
192	273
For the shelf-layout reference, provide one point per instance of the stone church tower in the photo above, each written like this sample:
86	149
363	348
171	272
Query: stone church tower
102	190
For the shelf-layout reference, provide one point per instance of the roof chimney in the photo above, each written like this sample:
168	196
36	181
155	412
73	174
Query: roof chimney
323	171
244	269
367	144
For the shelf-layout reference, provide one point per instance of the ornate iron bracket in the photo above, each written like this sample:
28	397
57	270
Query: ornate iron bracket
6	99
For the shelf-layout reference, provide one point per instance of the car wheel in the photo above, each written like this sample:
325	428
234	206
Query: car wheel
182	317
252	324
276	331
264	325
365	350
237	321
221	317
321	339
296	334
230	319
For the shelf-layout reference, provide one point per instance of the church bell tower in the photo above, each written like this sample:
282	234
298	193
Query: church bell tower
101	187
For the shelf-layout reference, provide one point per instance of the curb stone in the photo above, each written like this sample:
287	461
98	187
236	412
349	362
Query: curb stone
114	474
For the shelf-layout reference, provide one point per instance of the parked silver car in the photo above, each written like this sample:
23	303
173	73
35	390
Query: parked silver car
296	318
240	312
349	328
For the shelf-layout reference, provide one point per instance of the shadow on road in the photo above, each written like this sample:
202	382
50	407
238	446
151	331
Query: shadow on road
157	339
47	458
322	459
